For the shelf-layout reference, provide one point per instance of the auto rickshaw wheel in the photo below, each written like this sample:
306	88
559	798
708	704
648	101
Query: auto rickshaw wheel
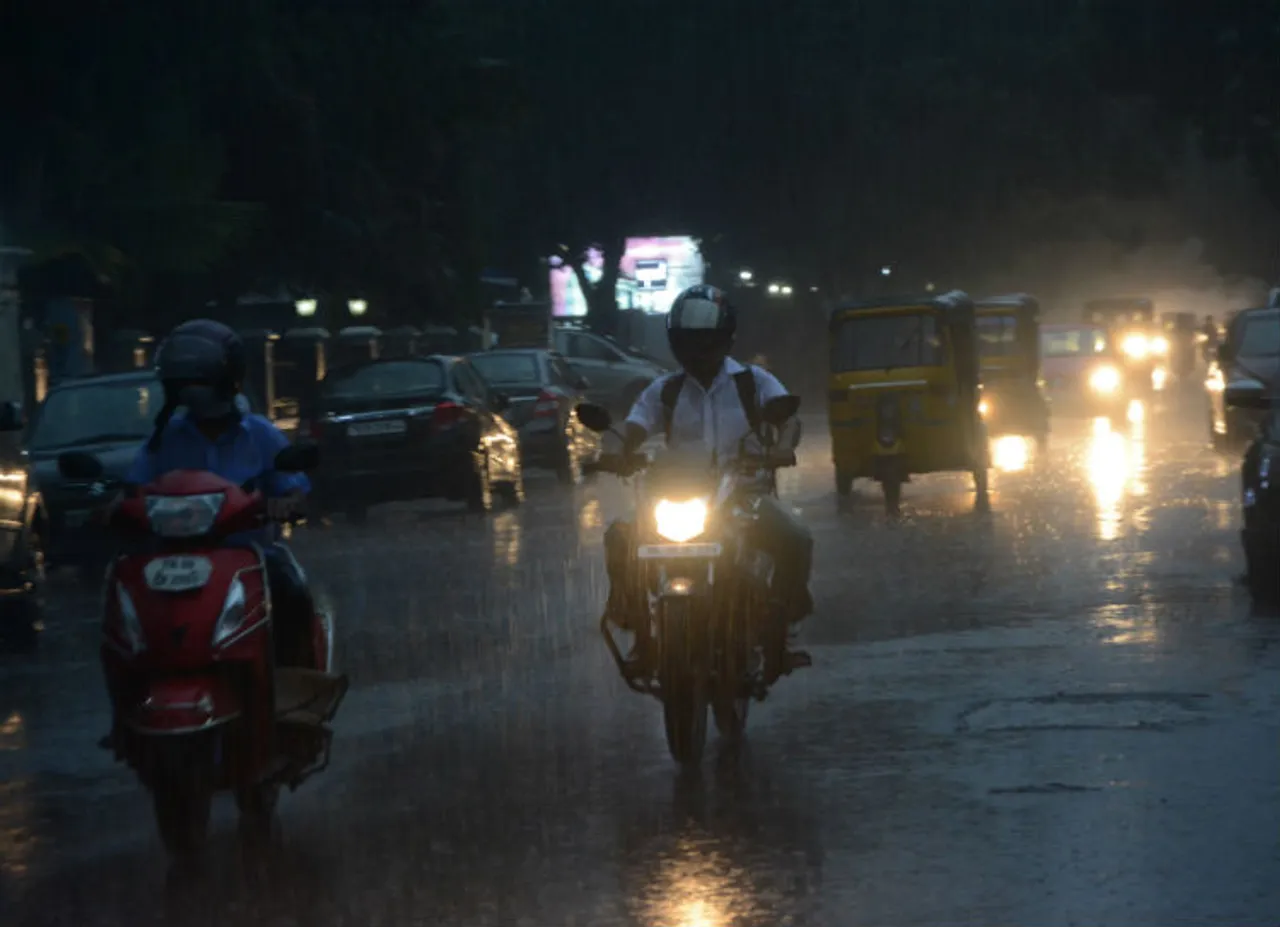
892	487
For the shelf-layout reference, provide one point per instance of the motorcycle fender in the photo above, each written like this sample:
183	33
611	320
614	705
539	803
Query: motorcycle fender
180	705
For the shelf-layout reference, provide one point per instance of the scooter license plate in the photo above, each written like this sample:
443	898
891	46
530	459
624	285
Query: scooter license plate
178	574
678	551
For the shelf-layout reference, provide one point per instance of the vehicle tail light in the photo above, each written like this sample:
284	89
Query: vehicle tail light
446	415
547	405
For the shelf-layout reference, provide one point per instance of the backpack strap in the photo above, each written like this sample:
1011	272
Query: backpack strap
670	393
745	381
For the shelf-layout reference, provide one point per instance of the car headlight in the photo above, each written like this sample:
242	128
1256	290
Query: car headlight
232	613
1160	345
680	521
184	516
1135	346
1104	380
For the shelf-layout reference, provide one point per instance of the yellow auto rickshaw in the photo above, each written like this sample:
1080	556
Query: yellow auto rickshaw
1011	400
904	393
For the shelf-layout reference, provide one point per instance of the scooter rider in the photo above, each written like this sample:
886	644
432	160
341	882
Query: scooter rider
715	401
201	426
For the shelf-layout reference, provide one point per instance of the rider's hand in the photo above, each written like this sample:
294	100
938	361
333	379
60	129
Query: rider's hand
279	508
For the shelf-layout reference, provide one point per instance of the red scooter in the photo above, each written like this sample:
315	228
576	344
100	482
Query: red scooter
200	700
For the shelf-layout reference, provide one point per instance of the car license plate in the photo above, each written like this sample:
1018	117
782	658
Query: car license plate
76	519
680	551
395	426
178	574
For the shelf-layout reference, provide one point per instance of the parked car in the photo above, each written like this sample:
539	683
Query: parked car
1260	489
411	428
544	393
108	416
1081	371
616	375
1250	352
23	529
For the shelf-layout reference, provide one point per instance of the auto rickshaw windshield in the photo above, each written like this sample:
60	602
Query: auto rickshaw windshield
997	335
882	342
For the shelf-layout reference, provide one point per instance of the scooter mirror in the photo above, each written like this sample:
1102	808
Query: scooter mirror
77	465
298	458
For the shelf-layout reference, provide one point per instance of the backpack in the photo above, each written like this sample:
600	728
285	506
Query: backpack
744	380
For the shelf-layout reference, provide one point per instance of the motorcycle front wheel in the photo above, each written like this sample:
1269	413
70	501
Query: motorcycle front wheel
683	685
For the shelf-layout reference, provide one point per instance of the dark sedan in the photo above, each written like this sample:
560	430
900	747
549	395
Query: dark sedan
411	428
544	393
107	416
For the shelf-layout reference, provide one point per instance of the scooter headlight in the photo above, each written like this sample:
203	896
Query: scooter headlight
233	610
1104	380
184	516
680	521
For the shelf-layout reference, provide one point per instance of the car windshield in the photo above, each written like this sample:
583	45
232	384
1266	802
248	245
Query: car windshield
508	368
877	342
1075	342
97	411
1261	335
391	378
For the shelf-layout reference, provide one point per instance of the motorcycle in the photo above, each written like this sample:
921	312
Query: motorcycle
707	587
200	704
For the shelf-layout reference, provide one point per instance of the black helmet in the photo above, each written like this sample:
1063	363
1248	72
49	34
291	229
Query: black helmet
201	365
202	351
700	329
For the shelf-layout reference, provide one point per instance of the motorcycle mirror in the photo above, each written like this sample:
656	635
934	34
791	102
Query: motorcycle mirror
297	458
594	417
778	409
77	465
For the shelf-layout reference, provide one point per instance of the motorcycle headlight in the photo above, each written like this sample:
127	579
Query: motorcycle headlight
1135	346
1104	380
232	613
183	516
680	521
130	625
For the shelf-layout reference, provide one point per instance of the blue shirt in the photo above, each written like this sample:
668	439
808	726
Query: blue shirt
239	454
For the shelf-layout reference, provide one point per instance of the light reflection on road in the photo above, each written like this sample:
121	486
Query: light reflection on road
1117	466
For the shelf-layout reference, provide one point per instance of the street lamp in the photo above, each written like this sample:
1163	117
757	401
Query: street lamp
929	287
357	307
305	307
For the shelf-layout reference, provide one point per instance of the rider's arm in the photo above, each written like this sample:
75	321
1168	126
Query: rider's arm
143	468
645	417
272	441
770	387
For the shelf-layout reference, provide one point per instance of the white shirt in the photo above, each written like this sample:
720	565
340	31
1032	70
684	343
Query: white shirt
714	418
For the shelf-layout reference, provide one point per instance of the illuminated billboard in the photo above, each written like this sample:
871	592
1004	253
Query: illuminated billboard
651	273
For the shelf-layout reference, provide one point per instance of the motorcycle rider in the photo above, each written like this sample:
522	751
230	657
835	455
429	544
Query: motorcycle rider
204	425
712	400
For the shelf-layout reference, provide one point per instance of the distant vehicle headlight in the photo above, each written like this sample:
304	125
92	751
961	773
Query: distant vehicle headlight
984	407
1104	380
1160	345
1135	346
680	521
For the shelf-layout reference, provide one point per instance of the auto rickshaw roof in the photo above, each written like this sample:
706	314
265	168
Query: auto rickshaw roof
1023	301
955	304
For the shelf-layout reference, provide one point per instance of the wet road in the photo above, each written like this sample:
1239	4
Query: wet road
1061	713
